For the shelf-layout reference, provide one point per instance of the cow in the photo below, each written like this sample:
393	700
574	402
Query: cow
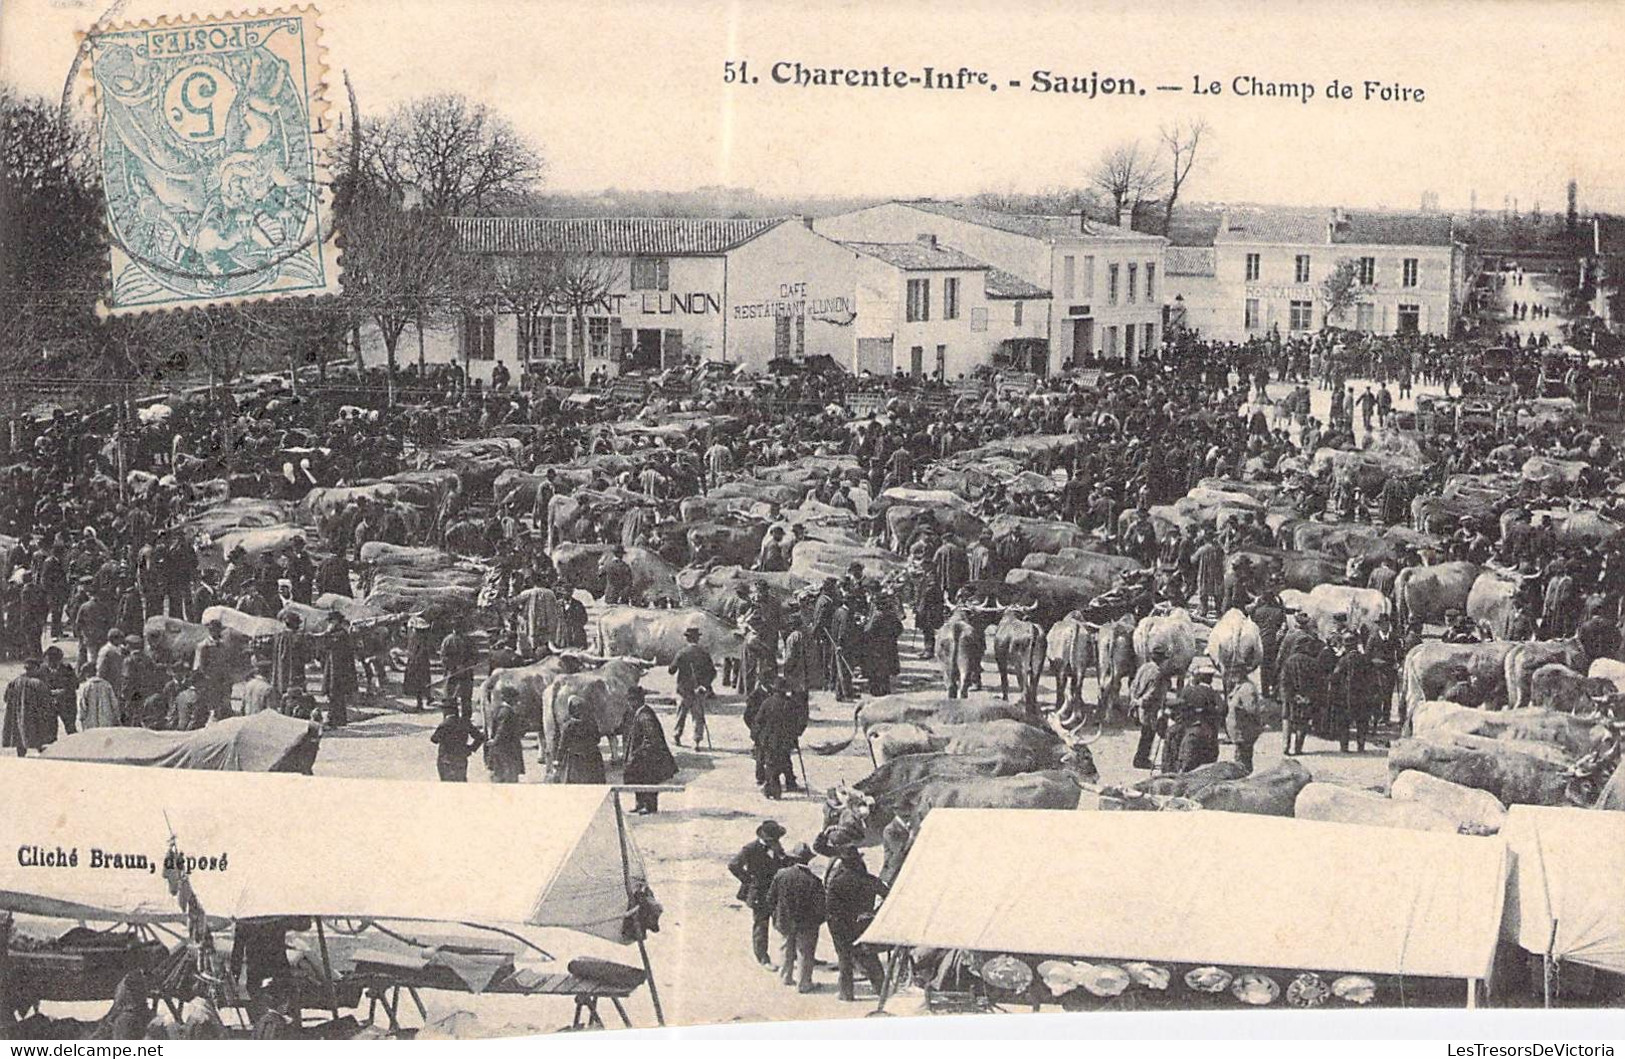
467	537
1473	811
1236	646
1070	647
1557	687
893	790
717	589
1339	607
1020	747
903	521
931	708
1427	592
1053	594
1080	564
1512	775
639	632
1611	670
1018	646
1595	638
171	640
783	494
1544	469
606	692
577	565
1302	571
959	648
1432	666
815	560
1114	654
1272	792
1491	604
1040	535
728	543
1334	803
1565	736
1174	631
697	509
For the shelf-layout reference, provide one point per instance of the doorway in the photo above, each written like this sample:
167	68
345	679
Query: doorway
645	350
1083	341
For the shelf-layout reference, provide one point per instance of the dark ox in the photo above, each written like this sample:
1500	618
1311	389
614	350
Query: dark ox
959	650
1220	786
1018	647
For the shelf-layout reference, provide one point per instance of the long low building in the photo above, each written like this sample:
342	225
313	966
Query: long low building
630	294
1241	272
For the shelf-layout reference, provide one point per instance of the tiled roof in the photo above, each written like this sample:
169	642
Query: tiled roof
1394	229
1274	224
1035	225
1195	225
1001	284
1189	261
917	256
617	236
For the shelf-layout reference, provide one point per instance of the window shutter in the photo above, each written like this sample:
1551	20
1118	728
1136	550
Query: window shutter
671	348
619	341
663	273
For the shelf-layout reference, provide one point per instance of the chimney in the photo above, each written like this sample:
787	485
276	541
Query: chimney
926	239
1083	221
1125	215
807	223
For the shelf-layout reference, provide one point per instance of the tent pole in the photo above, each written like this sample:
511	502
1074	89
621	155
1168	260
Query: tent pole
1472	994
1546	970
327	970
626	878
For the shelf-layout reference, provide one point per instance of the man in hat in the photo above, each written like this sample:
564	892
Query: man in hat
288	656
27	710
1351	693
64	685
459	659
455	740
1148	694
695	672
776	721
212	673
754	866
796	896
850	893
648	759
1458	627
259	693
338	669
1300	682
1383	651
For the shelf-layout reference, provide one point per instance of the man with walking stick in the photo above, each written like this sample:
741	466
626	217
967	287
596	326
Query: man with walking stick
695	671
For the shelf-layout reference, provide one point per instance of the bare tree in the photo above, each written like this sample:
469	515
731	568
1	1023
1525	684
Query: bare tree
457	155
1184	143
582	281
1128	175
528	287
1339	289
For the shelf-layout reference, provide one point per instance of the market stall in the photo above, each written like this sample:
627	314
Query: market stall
1566	901
1248	909
105	849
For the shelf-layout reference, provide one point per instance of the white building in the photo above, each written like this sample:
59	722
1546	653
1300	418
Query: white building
1237	272
738	291
1086	288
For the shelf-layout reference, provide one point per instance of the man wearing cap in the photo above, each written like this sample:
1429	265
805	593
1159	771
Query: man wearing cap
796	896
754	866
64	685
259	694
695	671
212	674
455	740
1148	693
1193	734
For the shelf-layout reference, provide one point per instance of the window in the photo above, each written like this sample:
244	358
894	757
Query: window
1249	315
651	273
1150	282
598	336
1111	341
1407	272
919	300
1150	339
1089	276
1300	269
1111	285
1017	312
1133	282
781	337
1128	340
1069	275
801	336
1368	271
950	298
942	363
1410	319
1252	268
978	320
1365	317
916	361
479	336
1301	316
527	336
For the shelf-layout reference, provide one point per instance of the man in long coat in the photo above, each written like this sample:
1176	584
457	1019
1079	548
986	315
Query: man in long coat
775	721
755	865
27	711
648	759
338	671
953	567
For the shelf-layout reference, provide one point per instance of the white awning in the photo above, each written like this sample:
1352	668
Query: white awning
300	845
1568	871
1204	887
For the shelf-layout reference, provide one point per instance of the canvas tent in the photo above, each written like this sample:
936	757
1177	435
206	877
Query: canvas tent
1568	874
264	742
1207	887
483	853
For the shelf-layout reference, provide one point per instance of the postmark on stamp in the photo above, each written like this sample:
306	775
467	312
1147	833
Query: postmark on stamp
212	137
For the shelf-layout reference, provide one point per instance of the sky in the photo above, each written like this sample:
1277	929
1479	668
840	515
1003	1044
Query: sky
1519	95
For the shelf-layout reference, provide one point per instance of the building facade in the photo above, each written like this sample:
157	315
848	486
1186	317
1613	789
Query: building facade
1084	288
1243	272
637	294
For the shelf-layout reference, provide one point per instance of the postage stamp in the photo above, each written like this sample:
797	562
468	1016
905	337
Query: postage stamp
212	140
